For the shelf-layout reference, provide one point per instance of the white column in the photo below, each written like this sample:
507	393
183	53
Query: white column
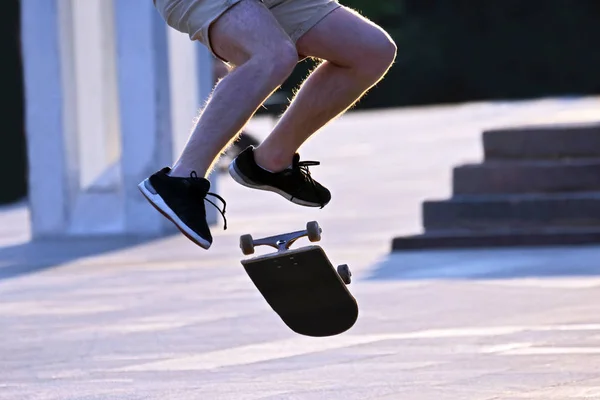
98	205
96	88
49	114
99	83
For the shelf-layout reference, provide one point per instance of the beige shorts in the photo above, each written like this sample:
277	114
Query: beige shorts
194	17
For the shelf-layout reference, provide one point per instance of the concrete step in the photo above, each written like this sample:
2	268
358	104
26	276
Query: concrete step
493	212
451	239
543	142
513	177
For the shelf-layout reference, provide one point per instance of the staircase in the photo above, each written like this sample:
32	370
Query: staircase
537	186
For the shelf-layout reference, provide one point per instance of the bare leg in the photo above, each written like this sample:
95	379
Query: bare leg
358	55
249	37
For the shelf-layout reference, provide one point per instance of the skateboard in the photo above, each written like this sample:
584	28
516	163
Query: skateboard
301	285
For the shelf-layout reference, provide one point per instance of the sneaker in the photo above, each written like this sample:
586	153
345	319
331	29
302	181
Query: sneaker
181	200
294	183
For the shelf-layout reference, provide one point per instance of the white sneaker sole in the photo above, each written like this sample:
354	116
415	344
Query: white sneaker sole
162	207
239	178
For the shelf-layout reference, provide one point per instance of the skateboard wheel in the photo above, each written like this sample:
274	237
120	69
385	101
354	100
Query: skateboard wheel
344	273
247	244
314	231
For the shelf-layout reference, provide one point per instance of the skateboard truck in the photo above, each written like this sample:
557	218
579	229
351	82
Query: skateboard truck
283	242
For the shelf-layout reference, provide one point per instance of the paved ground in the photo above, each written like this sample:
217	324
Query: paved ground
114	319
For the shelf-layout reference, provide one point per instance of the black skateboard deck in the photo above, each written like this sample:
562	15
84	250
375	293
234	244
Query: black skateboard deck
303	288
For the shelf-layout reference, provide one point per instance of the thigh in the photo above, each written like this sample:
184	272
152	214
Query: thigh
342	37
248	28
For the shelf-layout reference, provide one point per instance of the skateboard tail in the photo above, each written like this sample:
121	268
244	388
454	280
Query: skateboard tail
321	325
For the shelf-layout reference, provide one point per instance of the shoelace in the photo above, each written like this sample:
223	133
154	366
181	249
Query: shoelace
194	177
302	167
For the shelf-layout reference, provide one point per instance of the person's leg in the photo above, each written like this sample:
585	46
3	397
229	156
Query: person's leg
249	37
358	54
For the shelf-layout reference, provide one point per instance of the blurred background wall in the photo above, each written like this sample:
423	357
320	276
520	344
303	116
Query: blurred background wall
449	51
13	165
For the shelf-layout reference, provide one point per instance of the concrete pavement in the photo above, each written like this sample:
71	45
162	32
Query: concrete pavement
163	319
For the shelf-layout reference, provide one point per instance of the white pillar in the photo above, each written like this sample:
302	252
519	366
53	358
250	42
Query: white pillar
49	114
96	87
97	208
99	116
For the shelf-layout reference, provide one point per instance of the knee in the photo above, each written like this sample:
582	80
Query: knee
387	52
279	61
285	59
378	57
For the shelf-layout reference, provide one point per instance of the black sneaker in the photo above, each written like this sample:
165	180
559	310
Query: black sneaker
181	200
294	183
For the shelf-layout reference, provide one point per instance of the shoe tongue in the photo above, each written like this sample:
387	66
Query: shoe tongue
296	159
202	184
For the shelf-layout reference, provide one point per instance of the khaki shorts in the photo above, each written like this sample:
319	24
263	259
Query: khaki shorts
194	17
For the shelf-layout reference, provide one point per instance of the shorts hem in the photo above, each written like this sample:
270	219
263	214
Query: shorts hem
319	15
202	34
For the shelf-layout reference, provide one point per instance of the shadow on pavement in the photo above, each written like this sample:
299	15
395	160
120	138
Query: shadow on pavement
482	264
34	256
21	256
